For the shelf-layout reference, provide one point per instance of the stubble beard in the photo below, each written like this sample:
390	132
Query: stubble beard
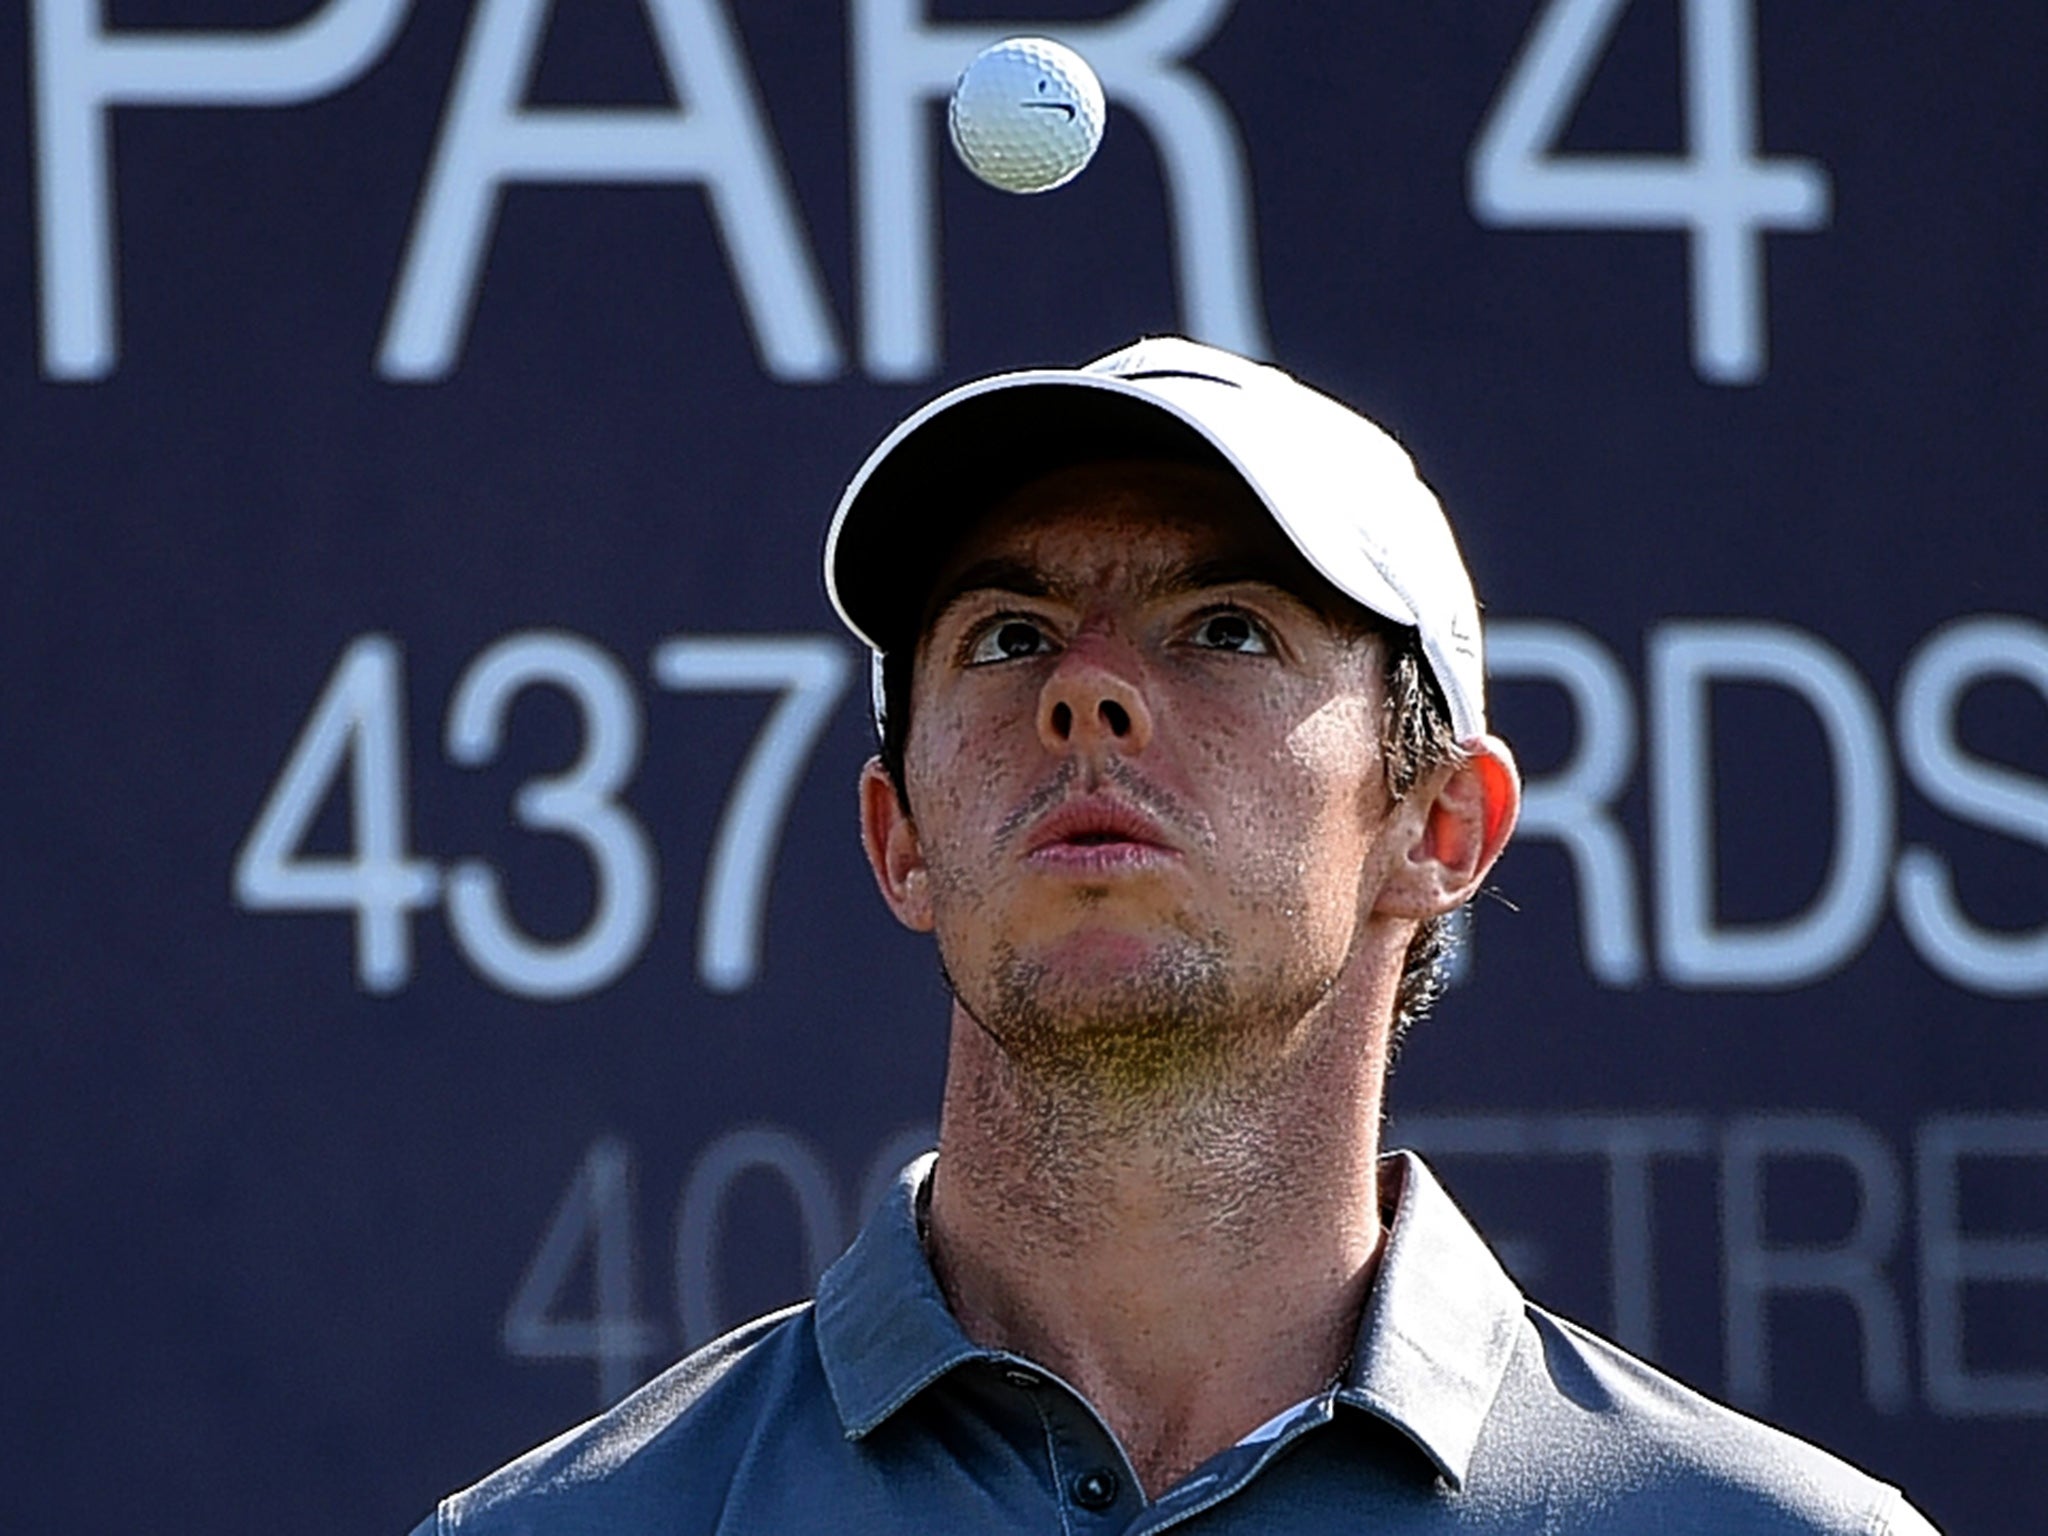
1148	1035
1187	1020
1167	1051
1180	1063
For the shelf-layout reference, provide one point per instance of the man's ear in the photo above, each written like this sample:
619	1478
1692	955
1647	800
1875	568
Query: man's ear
890	838
1466	814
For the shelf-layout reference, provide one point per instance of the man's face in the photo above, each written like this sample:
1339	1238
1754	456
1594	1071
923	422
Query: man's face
1148	804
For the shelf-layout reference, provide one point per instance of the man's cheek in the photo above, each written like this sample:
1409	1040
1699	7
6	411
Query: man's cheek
1335	742
957	894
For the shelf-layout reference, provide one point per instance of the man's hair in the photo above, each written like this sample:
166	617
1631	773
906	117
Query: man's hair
1418	737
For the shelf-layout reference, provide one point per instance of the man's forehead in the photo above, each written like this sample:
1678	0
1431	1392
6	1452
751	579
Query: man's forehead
1140	524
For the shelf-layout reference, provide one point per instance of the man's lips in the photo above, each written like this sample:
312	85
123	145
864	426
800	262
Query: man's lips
1098	833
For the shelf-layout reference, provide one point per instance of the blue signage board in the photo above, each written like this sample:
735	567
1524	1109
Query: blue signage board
444	980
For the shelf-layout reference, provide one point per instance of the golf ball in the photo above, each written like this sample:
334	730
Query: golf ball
1026	115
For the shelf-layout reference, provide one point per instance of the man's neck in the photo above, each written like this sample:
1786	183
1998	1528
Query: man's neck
1193	1270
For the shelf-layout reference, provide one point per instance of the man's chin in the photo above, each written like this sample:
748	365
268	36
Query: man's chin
1103	982
1100	957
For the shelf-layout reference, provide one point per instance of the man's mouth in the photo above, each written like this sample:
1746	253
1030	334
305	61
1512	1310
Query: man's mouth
1097	834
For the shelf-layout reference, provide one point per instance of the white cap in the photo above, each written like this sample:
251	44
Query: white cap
1338	485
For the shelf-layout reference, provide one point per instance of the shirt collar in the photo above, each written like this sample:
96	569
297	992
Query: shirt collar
885	1332
1439	1326
1432	1347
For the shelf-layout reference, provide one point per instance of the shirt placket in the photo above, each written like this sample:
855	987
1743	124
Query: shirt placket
1092	1482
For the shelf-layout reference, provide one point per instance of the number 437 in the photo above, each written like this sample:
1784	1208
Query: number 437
357	730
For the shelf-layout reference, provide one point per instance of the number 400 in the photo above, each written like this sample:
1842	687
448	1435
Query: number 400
357	728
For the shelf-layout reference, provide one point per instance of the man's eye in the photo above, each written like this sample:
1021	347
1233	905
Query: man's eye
1231	630
1008	641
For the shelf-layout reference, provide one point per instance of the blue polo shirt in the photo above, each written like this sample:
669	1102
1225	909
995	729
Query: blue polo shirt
1465	1409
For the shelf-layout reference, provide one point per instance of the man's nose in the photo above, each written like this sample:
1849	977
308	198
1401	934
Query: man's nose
1089	705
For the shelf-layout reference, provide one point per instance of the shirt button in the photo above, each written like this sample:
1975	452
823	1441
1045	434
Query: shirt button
1095	1490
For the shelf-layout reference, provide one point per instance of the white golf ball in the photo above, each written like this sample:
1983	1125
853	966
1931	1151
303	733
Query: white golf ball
1026	115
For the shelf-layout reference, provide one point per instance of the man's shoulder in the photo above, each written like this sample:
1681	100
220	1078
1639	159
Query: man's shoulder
1638	1442
670	1445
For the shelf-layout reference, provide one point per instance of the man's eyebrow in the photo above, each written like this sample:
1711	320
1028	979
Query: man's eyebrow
1004	573
997	573
1236	569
